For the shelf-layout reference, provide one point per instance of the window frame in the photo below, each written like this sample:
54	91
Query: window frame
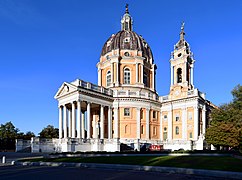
177	130
127	76
190	135
154	114
177	117
108	78
179	75
126	112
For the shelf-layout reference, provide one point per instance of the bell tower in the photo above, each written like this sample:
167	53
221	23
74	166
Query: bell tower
182	64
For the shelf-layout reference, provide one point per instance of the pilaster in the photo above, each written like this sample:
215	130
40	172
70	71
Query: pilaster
147	123
138	122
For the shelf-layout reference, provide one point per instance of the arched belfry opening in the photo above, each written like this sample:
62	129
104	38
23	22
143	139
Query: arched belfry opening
179	75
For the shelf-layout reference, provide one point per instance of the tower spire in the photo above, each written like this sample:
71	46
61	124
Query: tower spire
182	33
127	8
126	21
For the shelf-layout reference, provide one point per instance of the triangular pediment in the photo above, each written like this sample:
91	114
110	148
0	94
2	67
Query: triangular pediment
65	88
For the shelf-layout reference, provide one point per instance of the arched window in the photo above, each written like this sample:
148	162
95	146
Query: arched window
126	76
177	130
179	75
108	78
145	79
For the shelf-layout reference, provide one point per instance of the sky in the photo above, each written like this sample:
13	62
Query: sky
45	43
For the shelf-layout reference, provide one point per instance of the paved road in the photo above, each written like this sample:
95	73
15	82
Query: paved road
13	156
73	173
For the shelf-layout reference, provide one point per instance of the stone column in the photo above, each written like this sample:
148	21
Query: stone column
109	122
184	74
137	72
112	74
94	128
99	76
196	119
153	77
73	125
161	127
170	117
138	122
117	73
102	122
65	121
184	123
172	75
147	124
191	75
60	122
204	119
88	120
116	122
142	73
83	125
69	123
79	127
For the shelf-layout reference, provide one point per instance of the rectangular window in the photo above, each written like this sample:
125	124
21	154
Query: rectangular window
154	114
177	117
126	112
164	136
190	135
141	114
177	130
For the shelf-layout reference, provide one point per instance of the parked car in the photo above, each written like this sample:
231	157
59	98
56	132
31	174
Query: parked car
155	147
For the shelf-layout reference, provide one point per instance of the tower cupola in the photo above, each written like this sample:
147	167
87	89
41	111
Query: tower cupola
127	21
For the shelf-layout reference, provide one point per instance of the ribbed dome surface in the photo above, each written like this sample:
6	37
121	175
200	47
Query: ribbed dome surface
127	40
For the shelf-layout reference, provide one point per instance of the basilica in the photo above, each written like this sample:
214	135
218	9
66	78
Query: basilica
124	107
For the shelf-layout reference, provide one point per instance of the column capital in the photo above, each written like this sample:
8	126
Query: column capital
138	108
196	107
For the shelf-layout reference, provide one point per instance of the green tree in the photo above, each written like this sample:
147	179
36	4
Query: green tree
8	134
49	132
226	126
27	136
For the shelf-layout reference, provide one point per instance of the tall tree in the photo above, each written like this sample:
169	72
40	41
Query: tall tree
8	133
49	132
226	125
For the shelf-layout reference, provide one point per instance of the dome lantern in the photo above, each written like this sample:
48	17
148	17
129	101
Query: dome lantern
126	21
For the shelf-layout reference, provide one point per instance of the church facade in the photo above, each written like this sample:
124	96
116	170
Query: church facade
124	108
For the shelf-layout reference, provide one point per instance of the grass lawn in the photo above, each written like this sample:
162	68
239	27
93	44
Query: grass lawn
196	162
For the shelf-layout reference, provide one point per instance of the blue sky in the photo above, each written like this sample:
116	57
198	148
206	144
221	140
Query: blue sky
44	43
